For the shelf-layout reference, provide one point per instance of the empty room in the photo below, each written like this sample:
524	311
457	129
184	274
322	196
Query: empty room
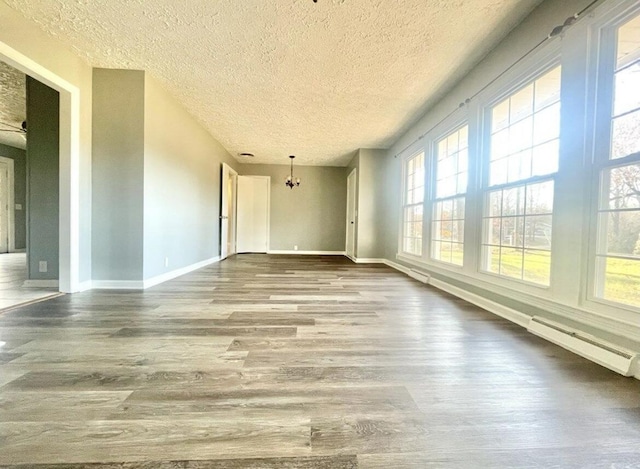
319	234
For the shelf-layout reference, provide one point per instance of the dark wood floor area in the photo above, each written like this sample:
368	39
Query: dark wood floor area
299	362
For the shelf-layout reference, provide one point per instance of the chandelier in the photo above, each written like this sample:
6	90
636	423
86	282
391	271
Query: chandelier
290	182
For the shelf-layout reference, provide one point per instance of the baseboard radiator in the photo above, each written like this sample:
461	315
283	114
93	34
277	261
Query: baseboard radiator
421	277
612	356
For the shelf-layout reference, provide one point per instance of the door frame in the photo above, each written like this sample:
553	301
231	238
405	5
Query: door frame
228	173
69	169
11	204
352	197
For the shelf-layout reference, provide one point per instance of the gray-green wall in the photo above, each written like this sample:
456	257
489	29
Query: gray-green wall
182	164
19	157
117	174
43	183
311	216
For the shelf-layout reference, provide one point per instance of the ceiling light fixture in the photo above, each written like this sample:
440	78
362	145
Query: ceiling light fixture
290	182
246	155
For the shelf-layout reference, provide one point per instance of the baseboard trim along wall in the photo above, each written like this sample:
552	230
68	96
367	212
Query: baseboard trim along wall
308	253
612	356
360	260
41	284
150	282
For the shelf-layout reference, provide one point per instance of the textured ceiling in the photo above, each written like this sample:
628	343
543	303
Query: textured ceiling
279	77
12	105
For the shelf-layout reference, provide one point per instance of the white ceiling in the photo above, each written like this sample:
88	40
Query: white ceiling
280	77
13	106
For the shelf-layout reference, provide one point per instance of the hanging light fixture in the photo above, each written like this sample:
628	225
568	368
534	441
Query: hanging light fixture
290	181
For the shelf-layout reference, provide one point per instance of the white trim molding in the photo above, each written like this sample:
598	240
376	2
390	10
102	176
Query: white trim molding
148	283
307	253
158	279
365	260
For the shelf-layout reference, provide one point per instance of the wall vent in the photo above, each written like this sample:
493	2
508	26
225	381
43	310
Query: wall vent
612	356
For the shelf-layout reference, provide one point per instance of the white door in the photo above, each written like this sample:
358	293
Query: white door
4	207
228	188
253	213
351	215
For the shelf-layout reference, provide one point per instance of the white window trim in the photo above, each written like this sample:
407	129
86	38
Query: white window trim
405	160
602	71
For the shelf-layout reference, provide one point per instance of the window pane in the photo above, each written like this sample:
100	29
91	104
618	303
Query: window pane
537	267
623	232
547	89
500	145
540	198
622	281
521	104
492	228
625	138
538	232
457	253
627	91
495	203
513	201
624	187
545	158
491	256
500	116
628	42
511	262
517	151
547	124
458	208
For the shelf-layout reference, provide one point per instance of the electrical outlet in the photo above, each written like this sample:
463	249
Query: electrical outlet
295	248
166	262
18	206
42	266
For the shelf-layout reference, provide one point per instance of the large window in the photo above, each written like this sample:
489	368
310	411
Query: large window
413	205
525	131
447	233
618	244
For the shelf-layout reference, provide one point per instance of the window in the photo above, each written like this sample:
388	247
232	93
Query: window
412	207
618	244
447	233
517	218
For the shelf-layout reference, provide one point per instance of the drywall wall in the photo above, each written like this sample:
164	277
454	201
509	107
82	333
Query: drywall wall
311	216
27	39
369	201
182	174
19	157
43	183
118	167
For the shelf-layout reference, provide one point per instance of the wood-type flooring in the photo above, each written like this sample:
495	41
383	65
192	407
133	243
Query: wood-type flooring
299	362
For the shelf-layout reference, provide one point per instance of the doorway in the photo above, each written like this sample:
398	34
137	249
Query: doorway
352	214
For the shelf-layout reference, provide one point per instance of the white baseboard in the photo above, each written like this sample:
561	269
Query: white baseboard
158	279
397	266
365	260
308	253
117	285
150	282
33	283
496	308
84	286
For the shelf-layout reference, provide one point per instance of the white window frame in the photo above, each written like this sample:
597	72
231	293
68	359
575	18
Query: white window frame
405	205
433	199
603	57
539	66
